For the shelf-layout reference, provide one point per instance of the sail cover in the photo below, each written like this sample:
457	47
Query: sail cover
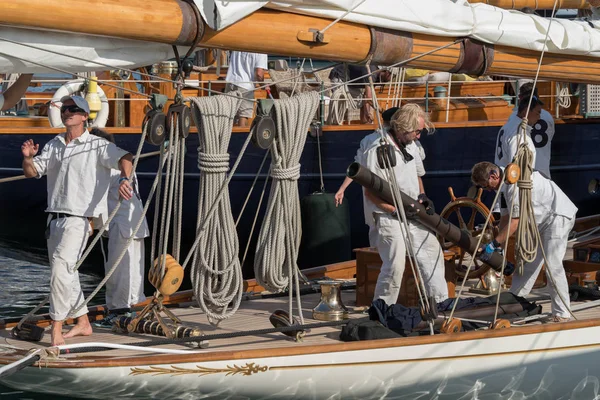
447	18
118	53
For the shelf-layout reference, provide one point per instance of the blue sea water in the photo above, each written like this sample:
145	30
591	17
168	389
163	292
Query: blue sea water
24	282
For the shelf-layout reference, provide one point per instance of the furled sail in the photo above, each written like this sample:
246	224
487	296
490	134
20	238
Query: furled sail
56	46
384	31
446	18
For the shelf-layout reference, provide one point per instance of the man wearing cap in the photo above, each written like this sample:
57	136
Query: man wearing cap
542	132
78	166
509	136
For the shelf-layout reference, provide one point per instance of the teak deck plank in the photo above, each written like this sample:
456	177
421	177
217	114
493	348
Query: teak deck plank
252	315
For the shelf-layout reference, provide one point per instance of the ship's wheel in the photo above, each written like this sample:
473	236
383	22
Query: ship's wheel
468	213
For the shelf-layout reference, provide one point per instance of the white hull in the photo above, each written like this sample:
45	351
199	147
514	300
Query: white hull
549	365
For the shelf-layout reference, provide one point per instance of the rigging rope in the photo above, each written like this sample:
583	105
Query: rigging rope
216	269
526	243
279	237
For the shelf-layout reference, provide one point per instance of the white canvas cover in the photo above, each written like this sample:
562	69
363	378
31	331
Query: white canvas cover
120	53
434	17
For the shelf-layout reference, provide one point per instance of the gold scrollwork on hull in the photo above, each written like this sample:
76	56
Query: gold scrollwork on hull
247	370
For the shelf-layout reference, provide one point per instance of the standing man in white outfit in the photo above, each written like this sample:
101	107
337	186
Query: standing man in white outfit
245	69
125	287
78	166
385	230
555	216
13	94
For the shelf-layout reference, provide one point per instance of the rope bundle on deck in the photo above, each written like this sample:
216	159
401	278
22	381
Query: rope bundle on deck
216	270
279	237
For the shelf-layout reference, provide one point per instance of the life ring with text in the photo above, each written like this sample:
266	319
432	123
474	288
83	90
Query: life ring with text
68	89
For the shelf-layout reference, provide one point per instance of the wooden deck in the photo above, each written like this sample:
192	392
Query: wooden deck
252	315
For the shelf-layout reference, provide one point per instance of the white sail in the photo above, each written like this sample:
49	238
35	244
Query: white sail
120	53
433	17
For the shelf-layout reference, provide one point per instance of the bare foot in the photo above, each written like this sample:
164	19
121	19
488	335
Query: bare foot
57	338
82	328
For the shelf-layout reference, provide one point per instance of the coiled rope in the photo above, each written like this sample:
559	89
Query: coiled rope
275	265
526	244
216	269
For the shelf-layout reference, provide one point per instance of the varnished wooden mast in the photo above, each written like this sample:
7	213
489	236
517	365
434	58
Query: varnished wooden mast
275	32
535	4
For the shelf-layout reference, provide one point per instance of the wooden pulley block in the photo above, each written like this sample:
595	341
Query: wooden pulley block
451	326
512	173
183	116
263	131
501	324
281	318
155	124
171	281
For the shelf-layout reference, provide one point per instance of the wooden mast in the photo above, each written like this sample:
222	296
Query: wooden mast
275	32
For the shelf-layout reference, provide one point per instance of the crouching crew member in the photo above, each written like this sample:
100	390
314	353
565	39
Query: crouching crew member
555	216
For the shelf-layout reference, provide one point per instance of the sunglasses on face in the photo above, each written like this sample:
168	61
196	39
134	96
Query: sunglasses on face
420	131
73	109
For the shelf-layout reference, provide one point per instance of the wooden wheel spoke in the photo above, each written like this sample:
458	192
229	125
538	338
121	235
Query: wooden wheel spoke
461	220
471	224
461	258
476	208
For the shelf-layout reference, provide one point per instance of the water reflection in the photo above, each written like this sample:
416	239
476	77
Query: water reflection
25	283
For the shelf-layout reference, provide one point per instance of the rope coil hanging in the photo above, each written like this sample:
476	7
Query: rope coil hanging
279	237
216	269
526	244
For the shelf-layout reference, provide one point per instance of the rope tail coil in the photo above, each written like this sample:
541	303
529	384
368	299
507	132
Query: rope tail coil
216	269
526	245
275	265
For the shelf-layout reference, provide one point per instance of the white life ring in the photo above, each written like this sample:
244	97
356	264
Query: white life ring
71	88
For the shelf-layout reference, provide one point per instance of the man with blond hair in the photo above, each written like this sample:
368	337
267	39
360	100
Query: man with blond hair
554	215
385	230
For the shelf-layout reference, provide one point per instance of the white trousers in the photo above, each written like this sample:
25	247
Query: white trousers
430	259
125	287
389	240
67	240
554	234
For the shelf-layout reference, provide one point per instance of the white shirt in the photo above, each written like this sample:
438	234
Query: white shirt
1	100
78	173
242	66
416	150
547	200
507	142
542	134
130	212
421	150
406	172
